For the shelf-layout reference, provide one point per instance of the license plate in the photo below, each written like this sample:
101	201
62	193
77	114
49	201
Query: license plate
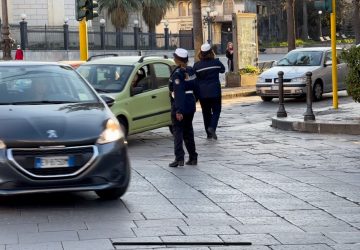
54	162
275	87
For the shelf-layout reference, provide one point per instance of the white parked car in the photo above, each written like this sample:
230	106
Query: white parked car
295	65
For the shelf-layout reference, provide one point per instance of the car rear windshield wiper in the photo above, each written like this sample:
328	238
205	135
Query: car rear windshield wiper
37	102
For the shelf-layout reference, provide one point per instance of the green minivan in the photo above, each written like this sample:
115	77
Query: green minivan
139	85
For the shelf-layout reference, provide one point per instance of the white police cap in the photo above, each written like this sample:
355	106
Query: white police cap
205	47
182	53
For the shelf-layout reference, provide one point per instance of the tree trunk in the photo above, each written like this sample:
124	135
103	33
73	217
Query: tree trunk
356	21
305	33
290	12
152	36
197	27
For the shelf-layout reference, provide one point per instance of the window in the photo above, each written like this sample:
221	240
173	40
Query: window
228	7
182	9
190	9
162	73
106	78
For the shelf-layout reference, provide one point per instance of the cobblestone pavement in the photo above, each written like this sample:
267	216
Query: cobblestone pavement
276	189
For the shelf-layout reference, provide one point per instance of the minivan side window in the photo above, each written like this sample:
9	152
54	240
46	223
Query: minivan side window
162	74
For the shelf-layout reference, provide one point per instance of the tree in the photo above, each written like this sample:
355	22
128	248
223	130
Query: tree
305	32
118	11
153	11
197	26
290	11
356	20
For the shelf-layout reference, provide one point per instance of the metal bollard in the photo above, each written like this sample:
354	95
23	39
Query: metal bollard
309	114
281	111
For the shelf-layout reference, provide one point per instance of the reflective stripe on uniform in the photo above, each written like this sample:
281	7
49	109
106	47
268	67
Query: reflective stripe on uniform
207	68
189	92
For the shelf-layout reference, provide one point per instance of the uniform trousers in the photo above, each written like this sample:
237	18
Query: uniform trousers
184	132
211	109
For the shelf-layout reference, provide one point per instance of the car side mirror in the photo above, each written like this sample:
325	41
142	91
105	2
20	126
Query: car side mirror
136	90
328	63
108	100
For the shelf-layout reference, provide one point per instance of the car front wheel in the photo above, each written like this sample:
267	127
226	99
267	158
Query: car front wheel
317	91
266	98
111	194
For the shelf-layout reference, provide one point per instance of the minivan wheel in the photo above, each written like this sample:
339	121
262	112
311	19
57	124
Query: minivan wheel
124	126
317	91
266	98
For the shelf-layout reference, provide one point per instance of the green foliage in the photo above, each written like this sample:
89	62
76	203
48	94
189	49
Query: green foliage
250	70
352	58
299	42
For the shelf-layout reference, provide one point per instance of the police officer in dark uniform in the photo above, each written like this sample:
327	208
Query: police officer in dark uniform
181	86
209	89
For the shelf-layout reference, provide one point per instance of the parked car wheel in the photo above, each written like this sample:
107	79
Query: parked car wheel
124	126
266	98
317	91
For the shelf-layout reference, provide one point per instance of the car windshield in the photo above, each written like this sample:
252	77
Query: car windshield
39	84
301	58
106	78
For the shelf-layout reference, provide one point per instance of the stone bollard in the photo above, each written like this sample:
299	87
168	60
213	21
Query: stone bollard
309	114
281	111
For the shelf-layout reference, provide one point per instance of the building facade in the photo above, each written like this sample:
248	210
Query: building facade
179	18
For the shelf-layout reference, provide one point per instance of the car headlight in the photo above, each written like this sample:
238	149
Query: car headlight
111	133
2	145
260	80
299	79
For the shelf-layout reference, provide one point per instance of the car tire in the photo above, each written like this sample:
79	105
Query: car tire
266	98
317	91
124	126
111	194
115	193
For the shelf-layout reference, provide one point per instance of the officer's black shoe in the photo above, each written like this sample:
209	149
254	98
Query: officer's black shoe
175	163
212	132
191	162
209	137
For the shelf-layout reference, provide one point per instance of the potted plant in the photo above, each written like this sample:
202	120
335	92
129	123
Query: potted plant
249	75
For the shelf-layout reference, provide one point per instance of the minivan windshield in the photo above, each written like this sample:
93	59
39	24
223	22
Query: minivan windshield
301	58
106	78
42	84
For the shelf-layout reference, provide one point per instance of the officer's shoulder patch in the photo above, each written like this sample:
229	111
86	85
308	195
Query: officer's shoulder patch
177	81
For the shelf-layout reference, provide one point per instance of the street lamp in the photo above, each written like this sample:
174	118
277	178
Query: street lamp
166	32
23	31
209	17
66	33
320	28
6	41
102	33
136	33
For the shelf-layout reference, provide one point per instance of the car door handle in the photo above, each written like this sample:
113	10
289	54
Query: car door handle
153	96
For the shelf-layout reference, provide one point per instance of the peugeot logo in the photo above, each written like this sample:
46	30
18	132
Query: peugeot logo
52	134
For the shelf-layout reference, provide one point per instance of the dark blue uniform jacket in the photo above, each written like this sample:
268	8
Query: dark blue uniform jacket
207	78
181	86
